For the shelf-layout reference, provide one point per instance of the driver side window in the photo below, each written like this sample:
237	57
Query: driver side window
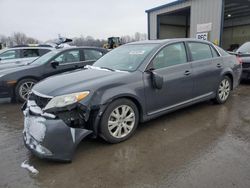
170	55
68	57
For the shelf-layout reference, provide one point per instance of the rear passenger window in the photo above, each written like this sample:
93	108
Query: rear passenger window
92	55
222	52
173	54
214	52
30	53
200	51
43	51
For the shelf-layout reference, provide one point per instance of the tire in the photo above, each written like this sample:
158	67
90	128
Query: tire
224	90
119	121
23	88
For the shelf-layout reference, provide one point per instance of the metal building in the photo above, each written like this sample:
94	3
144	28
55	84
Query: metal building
224	22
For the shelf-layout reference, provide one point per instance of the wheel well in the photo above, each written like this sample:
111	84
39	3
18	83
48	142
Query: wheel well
231	78
96	126
28	77
136	102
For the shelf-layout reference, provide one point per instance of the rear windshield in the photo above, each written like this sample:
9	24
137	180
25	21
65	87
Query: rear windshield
221	51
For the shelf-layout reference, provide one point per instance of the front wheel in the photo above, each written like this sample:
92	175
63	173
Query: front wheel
119	121
23	89
223	91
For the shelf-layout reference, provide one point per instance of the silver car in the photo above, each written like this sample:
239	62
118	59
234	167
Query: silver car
22	54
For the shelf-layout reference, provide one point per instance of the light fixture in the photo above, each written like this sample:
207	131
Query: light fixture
229	15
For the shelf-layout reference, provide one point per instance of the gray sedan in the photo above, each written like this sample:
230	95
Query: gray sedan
133	83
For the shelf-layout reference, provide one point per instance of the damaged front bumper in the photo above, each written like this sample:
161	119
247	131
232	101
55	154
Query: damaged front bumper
49	137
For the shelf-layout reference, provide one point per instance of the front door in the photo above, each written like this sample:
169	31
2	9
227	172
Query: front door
172	64
67	60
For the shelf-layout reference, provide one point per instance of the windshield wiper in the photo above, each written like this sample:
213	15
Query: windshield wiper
107	68
93	67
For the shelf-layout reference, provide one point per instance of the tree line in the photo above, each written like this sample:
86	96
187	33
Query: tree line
19	38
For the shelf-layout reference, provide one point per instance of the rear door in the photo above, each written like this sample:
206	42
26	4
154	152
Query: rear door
91	55
207	66
172	64
29	55
43	51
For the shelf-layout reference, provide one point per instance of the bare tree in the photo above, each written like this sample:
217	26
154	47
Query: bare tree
88	41
137	37
126	39
31	40
19	38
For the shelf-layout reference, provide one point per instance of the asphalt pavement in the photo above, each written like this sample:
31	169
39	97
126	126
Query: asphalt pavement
205	145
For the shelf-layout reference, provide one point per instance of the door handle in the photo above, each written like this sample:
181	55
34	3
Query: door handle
187	72
219	65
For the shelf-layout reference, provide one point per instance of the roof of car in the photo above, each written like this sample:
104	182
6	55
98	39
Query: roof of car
79	47
164	41
28	47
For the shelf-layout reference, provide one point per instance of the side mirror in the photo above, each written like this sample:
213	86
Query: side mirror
157	80
54	64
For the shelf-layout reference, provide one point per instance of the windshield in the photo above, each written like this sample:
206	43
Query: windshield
245	48
125	58
44	59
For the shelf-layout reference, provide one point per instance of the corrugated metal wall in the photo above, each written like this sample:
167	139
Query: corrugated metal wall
236	31
202	11
206	11
153	17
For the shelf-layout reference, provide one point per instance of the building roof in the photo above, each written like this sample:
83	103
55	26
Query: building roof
166	5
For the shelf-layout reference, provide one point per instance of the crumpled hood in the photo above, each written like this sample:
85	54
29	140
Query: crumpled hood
77	81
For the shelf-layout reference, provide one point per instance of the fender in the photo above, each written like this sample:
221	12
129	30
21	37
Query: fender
105	104
230	73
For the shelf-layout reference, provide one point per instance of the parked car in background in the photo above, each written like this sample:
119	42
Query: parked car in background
22	55
17	82
244	54
133	83
233	47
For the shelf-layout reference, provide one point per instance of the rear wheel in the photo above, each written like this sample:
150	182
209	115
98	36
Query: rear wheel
224	90
119	121
23	89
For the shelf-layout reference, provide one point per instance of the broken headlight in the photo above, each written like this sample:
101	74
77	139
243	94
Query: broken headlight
65	100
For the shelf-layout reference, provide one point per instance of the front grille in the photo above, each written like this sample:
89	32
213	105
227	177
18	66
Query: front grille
40	101
245	65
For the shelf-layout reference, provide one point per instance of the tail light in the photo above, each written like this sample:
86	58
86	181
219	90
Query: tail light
239	60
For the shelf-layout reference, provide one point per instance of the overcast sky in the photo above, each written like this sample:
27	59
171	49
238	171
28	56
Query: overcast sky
45	19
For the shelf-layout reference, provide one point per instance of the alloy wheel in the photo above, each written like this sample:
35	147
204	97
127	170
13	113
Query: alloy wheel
224	89
121	121
25	89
